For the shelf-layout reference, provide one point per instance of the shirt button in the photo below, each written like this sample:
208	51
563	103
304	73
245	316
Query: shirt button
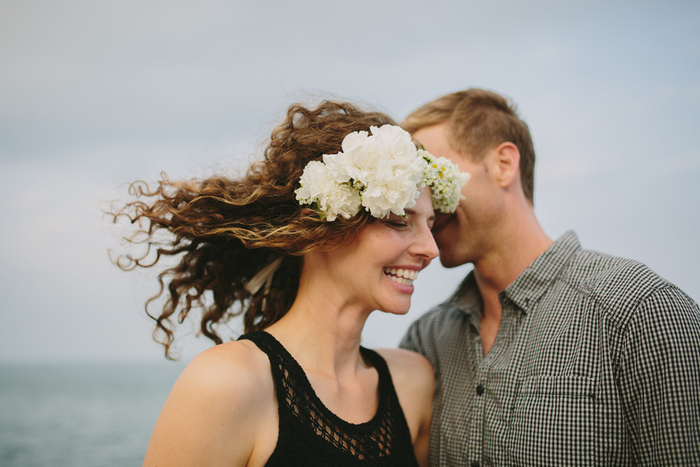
479	391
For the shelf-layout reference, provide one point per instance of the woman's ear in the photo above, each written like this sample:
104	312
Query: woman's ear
507	161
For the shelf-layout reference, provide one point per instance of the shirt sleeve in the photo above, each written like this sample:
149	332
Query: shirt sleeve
659	379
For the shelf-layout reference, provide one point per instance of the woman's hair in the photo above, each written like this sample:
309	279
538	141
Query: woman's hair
223	232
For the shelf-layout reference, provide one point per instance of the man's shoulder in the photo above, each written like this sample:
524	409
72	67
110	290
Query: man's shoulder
618	285
604	274
435	328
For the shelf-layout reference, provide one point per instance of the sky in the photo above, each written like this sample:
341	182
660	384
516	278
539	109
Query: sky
95	95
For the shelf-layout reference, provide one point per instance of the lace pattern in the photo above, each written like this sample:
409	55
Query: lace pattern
306	424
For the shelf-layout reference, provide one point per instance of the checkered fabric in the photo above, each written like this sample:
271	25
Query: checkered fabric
596	362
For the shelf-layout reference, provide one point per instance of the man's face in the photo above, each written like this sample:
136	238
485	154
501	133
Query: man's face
468	234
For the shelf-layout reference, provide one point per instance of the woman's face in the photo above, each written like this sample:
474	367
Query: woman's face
378	267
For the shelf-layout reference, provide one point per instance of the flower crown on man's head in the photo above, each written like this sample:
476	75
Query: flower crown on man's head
382	172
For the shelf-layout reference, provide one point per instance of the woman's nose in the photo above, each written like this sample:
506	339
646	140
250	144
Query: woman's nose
425	245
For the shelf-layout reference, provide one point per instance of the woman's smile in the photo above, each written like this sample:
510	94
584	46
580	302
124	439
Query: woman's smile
401	276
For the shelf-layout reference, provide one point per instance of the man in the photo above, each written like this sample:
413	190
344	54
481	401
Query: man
547	354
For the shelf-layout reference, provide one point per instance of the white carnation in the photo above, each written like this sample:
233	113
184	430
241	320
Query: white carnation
394	184
332	198
363	162
315	178
394	141
338	166
390	195
340	200
353	140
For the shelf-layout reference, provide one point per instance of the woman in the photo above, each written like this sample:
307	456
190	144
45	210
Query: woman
305	247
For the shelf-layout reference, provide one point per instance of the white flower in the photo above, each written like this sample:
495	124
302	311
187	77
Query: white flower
341	200
445	181
313	181
394	141
338	166
362	163
353	140
395	195
394	188
332	198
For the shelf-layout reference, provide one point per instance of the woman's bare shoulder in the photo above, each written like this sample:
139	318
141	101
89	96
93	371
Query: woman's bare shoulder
224	393
235	366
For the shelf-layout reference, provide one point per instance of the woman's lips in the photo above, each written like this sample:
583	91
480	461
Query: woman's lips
401	276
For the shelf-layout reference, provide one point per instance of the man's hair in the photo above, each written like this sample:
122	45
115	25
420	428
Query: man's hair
479	120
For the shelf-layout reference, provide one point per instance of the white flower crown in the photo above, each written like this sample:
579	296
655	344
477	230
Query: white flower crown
382	173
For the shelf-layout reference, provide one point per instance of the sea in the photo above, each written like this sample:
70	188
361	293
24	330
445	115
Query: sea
80	414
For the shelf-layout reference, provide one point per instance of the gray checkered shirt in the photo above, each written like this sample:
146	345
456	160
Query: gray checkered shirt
596	362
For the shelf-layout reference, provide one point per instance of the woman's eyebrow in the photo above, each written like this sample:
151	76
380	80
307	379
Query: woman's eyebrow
412	211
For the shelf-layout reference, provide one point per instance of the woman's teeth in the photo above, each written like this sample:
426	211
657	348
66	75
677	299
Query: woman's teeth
402	276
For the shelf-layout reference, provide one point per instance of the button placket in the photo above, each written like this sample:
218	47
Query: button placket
477	423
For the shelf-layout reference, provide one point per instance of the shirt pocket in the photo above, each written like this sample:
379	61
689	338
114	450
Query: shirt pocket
552	421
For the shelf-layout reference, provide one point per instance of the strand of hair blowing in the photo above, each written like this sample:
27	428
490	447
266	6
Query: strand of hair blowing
224	231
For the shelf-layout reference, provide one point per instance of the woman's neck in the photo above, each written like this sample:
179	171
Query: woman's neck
322	334
325	341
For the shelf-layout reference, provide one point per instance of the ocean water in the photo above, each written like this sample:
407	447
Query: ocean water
80	415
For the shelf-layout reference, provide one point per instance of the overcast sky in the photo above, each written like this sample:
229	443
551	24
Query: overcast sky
94	95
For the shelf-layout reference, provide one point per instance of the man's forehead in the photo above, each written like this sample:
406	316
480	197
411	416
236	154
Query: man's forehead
435	136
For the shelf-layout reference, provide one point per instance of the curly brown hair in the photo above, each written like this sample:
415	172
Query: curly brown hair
224	231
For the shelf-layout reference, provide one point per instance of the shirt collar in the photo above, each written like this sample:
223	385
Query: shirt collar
467	297
534	281
527	288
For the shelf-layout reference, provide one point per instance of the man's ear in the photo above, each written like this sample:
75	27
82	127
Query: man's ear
507	164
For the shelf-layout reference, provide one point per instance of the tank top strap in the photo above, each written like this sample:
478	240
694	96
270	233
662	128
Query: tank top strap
278	357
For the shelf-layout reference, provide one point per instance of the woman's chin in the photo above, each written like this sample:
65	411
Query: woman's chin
398	310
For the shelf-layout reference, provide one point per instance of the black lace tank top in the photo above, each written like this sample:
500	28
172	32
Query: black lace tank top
311	435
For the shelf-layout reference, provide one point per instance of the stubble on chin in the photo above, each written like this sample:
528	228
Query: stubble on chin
448	259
